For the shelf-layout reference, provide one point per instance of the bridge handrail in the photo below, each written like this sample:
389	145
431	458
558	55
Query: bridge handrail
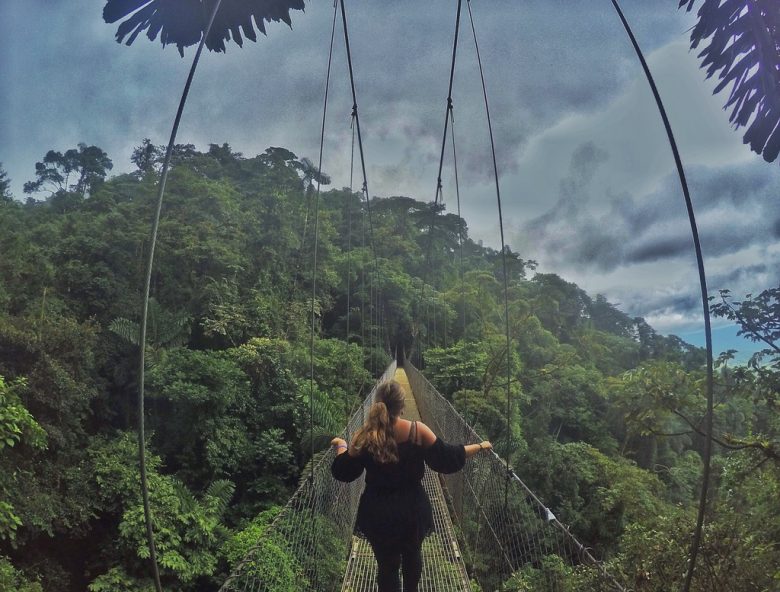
329	505
477	499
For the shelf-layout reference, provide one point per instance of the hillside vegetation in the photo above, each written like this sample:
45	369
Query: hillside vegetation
605	412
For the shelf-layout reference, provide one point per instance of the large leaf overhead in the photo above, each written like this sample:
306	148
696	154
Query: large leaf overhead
744	50
182	22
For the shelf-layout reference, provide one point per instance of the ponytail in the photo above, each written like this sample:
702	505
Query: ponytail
376	436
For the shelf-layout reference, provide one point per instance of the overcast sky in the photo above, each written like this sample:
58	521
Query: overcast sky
587	177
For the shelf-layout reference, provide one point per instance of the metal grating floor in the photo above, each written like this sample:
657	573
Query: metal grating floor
443	567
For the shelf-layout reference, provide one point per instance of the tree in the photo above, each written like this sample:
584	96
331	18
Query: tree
560	305
606	317
758	319
146	156
744	50
16	425
87	165
191	530
12	579
311	174
5	186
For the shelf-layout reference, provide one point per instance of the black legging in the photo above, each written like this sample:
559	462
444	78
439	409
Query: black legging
406	555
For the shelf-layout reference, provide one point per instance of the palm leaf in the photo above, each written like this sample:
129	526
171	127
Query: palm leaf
743	49
126	329
218	496
182	22
166	329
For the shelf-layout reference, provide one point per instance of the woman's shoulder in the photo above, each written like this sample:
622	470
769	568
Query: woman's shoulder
425	435
416	432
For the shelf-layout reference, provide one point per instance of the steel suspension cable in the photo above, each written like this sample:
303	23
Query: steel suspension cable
349	227
363	287
145	310
460	249
696	542
349	251
438	193
357	126
503	256
448	111
460	229
362	165
314	274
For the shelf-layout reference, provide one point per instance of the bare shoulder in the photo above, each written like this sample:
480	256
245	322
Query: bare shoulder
401	429
426	435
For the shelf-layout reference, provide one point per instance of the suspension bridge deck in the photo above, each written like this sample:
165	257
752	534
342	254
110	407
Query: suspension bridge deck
443	567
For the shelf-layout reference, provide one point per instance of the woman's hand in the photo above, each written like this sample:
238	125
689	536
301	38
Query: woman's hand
338	442
472	449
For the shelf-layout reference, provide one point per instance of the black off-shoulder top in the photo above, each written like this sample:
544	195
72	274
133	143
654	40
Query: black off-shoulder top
394	506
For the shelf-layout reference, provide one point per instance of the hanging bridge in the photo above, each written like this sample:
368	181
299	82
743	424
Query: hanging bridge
488	524
502	526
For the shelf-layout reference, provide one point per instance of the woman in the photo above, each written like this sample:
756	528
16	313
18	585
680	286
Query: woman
394	512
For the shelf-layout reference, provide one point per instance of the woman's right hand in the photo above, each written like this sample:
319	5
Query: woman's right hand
485	445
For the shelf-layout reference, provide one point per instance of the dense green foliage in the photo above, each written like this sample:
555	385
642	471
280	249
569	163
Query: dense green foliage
604	412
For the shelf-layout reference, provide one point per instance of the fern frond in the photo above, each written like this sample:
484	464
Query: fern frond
126	329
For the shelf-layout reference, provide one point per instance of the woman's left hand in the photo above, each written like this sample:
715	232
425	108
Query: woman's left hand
338	442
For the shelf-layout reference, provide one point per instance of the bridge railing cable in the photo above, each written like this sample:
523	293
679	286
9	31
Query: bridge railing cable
309	540
520	536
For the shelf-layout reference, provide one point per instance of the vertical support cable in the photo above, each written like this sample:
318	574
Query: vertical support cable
349	253
363	288
448	111
363	167
315	250
503	258
349	228
433	316
438	193
704	299
145	311
460	229
460	248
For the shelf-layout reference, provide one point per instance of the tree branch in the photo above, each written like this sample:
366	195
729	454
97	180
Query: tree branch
735	444
751	328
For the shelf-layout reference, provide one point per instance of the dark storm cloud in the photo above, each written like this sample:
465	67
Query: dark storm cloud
736	208
740	276
542	59
659	248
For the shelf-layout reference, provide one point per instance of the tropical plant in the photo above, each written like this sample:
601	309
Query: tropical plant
88	165
5	185
743	48
183	23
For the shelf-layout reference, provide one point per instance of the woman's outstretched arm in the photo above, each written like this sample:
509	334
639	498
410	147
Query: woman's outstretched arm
428	439
443	457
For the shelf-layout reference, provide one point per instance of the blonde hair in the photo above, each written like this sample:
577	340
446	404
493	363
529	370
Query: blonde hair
376	435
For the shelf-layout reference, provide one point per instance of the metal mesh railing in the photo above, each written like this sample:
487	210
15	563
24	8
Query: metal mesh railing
306	546
507	532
